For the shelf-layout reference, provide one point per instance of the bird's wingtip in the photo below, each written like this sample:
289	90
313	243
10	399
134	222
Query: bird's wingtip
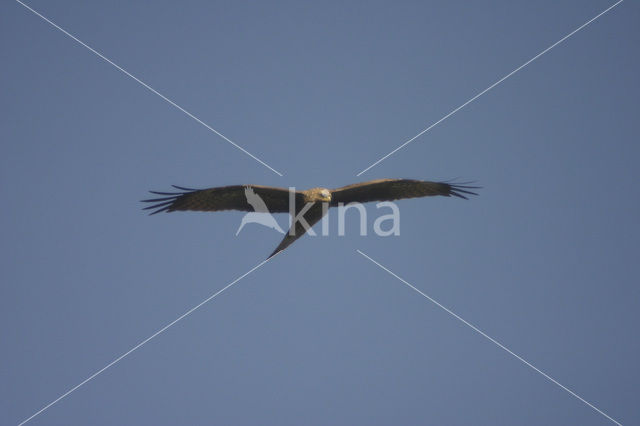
460	189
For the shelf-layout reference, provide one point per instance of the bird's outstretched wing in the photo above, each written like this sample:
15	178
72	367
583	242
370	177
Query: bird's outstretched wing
256	202
395	189
220	198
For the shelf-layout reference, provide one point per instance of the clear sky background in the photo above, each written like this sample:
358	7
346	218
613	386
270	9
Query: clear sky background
545	259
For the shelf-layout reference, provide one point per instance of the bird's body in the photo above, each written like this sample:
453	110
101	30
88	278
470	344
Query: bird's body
308	206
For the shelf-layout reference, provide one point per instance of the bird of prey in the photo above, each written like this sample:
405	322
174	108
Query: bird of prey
308	206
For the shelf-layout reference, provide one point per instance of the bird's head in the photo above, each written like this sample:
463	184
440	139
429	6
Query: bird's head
322	195
325	194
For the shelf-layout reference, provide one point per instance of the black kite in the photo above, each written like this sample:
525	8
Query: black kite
312	204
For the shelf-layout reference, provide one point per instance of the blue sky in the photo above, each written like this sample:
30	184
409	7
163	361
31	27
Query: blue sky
544	260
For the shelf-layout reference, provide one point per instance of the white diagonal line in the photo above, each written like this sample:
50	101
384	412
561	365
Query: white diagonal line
145	85
500	345
190	311
491	87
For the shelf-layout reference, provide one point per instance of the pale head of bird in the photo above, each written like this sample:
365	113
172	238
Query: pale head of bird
316	195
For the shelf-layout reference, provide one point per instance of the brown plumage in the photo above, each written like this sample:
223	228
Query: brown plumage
316	201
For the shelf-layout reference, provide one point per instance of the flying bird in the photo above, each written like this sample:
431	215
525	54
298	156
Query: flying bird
308	206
